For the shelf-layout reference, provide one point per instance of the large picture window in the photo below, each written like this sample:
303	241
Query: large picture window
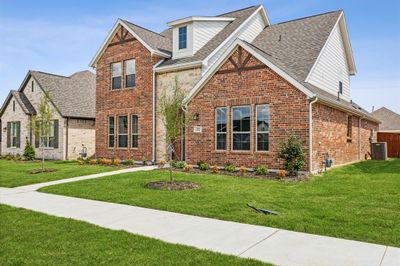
116	73
130	73
111	132
183	37
123	131
262	127
220	128
241	117
134	131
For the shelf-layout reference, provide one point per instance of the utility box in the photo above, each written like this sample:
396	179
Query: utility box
379	151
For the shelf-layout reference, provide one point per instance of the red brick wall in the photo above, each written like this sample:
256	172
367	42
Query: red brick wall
330	136
125	101
288	114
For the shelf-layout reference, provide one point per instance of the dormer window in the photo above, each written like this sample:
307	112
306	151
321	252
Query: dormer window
116	72
340	87
182	37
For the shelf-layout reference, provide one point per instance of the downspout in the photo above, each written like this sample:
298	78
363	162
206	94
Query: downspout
310	132
153	159
66	140
184	109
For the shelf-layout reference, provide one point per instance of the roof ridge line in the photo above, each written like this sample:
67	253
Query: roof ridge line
143	28
316	15
47	73
237	10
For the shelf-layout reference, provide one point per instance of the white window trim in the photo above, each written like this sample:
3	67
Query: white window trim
261	132
179	38
125	74
12	144
112	75
134	134
46	142
216	129
244	132
108	131
127	133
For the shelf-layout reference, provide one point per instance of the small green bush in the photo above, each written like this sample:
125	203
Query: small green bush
174	164
180	165
129	162
261	170
98	160
204	166
230	167
292	153
29	152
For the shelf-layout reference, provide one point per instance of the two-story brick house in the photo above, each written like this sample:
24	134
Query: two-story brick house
72	100
251	84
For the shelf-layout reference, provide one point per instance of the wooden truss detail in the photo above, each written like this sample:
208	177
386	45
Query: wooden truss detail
122	37
240	65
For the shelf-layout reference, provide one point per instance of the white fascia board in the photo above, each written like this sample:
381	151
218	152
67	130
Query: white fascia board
198	18
178	66
111	34
238	29
207	76
347	47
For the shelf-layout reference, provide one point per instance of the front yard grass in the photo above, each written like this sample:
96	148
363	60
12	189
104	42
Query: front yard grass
358	201
16	173
31	238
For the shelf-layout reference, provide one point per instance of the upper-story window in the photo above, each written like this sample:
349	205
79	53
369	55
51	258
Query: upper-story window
183	37
32	85
340	87
130	73
116	73
13	106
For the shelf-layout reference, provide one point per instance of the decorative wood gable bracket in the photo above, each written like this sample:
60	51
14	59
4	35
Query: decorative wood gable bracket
122	35
240	65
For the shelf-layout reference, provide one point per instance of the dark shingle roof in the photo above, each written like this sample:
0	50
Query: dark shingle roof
73	96
24	102
296	44
239	15
390	120
155	40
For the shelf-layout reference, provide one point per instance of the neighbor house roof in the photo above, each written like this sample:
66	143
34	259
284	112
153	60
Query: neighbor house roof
240	17
390	120
21	100
73	96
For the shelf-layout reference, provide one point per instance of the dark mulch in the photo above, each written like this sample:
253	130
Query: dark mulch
269	176
174	185
45	170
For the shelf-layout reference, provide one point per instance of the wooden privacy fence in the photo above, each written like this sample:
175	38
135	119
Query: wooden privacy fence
393	143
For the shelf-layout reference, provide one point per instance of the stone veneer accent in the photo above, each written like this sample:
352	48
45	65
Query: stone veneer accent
164	82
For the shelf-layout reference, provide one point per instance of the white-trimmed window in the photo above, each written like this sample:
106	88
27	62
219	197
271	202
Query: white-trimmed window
262	129
130	73
122	131
48	141
241	117
111	132
116	75
14	134
220	128
134	131
183	37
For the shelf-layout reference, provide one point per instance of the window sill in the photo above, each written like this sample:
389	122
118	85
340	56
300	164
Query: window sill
263	152
123	89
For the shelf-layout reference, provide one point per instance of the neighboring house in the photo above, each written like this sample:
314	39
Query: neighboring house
73	102
389	130
250	83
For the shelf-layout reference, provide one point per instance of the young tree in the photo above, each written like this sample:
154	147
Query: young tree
292	153
41	123
173	118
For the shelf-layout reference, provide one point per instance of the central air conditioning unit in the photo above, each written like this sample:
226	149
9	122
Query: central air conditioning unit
379	151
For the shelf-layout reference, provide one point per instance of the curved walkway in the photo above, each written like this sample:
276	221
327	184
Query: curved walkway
267	244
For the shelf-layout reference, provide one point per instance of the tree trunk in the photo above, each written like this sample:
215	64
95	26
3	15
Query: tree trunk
42	157
170	166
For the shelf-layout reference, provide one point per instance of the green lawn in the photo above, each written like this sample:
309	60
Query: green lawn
31	238
359	201
16	173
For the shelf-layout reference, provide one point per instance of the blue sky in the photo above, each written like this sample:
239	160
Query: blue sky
62	36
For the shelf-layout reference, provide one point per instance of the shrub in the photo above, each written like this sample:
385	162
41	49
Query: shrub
92	161
129	162
281	173
180	165
291	152
144	161
29	152
204	166
230	167
9	157
215	169
98	160
161	164
103	161
80	162
261	170
200	163
17	157
174	164
116	162
242	170
188	167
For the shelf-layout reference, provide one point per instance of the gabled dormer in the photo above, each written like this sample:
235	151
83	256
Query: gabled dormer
190	34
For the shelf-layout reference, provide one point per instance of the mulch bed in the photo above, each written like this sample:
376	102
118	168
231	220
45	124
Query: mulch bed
269	176
174	185
45	170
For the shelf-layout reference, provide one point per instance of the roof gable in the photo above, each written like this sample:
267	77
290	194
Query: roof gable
390	120
154	42
21	99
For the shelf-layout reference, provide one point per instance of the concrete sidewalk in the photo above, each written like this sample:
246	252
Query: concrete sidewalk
267	244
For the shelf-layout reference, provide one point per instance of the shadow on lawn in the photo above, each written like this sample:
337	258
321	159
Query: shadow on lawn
390	166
